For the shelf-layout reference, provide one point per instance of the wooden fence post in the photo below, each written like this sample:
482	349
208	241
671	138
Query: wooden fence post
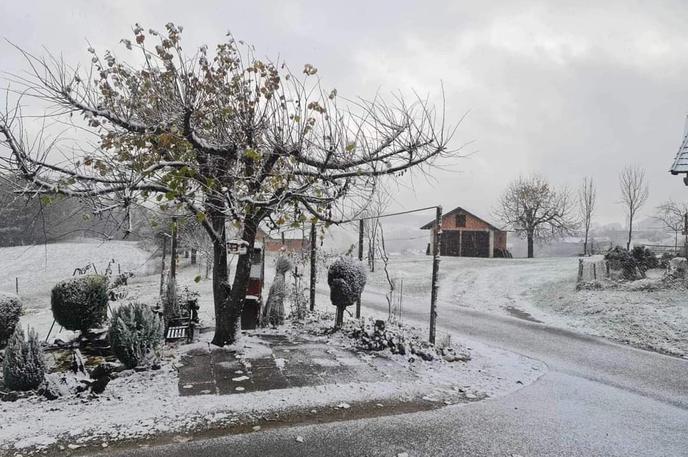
313	267
435	273
360	258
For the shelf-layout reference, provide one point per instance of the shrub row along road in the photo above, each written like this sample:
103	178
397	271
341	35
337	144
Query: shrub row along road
597	399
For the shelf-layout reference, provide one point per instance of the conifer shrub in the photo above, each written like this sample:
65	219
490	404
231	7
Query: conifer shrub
80	303
135	334
23	367
282	265
273	313
10	311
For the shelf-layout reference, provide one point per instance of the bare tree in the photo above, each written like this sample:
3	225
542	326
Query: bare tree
587	198
673	215
372	227
536	211
220	134
634	194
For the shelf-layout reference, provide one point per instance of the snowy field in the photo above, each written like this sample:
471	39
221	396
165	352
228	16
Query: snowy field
37	268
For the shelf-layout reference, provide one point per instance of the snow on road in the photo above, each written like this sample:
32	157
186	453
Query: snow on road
544	289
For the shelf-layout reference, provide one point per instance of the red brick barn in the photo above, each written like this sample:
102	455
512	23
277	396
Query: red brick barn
466	235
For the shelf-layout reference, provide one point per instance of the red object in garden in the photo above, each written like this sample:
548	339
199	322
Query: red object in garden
253	302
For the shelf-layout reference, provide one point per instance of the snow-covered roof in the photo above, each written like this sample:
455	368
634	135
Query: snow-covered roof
681	161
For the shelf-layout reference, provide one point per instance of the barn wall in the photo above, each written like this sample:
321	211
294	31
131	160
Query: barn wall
449	223
500	240
290	245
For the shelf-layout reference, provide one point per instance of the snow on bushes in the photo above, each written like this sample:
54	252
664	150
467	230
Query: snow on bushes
274	306
620	259
644	258
347	279
23	367
380	336
80	303
10	311
135	334
632	264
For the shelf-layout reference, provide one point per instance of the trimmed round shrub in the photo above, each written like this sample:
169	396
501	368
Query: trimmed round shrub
23	367
346	278
80	303
135	334
10	311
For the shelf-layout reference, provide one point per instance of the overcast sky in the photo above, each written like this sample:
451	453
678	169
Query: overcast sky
563	89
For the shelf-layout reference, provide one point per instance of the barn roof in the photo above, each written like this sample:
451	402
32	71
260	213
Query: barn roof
431	224
681	161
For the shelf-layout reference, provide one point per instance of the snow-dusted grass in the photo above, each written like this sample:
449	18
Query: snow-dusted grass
40	267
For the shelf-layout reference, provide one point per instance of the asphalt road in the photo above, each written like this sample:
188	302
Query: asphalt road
597	399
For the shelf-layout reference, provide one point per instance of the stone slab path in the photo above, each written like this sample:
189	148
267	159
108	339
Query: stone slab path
293	362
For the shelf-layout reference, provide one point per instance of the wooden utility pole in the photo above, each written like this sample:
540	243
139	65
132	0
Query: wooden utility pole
685	232
435	273
360	258
173	262
162	270
313	272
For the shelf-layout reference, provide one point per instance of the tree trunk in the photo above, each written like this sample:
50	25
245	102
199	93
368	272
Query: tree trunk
227	329
339	320
530	246
630	232
194	254
585	243
221	288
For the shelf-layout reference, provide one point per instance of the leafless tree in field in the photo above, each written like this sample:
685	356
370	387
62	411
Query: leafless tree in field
673	215
537	211
587	198
219	134
372	228
634	194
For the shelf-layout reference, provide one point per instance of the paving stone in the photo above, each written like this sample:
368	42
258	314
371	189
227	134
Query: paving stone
200	388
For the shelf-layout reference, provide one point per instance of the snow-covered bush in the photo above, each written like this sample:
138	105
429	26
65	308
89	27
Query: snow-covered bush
10	310
135	334
620	259
282	265
644	258
346	278
665	259
274	306
80	303
23	367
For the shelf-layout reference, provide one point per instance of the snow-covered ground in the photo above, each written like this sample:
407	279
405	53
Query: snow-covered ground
544	289
541	288
145	404
37	268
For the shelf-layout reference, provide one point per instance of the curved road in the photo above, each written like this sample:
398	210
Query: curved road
597	399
